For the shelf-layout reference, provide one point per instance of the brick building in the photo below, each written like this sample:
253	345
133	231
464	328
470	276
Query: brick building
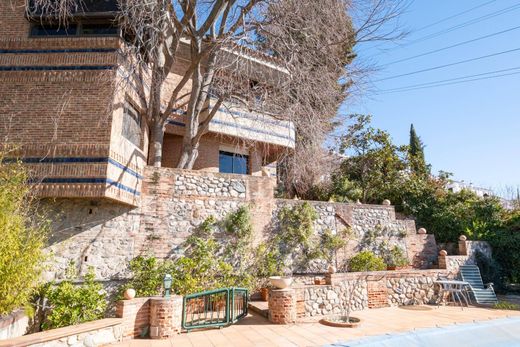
63	108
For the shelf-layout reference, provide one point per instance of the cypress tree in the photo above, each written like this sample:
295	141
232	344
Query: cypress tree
416	153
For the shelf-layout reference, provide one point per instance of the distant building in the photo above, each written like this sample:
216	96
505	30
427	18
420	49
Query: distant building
457	186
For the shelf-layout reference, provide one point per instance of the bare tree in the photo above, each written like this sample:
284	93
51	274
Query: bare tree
310	40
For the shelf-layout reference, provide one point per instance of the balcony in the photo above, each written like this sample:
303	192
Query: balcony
249	125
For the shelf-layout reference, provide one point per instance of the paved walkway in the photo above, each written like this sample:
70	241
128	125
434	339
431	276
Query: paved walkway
255	330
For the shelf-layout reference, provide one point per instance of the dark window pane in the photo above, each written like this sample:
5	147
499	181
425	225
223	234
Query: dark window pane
225	162
99	29
132	125
240	164
54	30
233	163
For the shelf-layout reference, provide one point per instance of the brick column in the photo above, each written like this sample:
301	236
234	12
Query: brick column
136	316
165	317
443	262
463	246
282	306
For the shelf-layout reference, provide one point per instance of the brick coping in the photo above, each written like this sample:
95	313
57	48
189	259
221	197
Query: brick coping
55	334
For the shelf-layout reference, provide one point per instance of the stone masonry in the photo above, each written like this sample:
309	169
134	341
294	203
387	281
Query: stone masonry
106	235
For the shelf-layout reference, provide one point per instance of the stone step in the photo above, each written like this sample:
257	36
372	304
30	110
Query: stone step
260	307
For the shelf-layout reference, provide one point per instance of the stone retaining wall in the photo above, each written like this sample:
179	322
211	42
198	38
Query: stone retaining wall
106	236
13	325
362	291
96	333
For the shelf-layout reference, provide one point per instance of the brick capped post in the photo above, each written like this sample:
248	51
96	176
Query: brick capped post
282	306
463	246
165	316
136	316
443	262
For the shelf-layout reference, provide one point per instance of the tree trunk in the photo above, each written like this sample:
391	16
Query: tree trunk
156	144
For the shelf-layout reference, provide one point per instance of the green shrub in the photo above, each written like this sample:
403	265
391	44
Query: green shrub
366	261
148	274
74	304
504	305
395	257
23	239
330	243
206	264
506	252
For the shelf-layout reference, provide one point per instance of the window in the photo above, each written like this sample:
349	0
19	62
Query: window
233	163
101	29
53	30
132	125
82	29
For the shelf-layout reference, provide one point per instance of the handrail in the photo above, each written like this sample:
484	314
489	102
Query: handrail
214	308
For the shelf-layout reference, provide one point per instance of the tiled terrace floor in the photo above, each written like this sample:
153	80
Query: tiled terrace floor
255	330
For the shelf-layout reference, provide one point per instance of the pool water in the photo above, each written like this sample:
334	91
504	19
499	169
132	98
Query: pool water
494	333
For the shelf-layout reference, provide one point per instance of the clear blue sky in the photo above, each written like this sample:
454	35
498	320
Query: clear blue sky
471	129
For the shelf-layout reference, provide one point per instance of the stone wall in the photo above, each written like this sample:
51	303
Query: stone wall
327	299
359	291
13	325
106	235
96	333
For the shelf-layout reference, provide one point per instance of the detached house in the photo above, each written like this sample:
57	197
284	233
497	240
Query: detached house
82	136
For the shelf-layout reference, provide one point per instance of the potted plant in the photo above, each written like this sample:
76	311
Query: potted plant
395	258
267	266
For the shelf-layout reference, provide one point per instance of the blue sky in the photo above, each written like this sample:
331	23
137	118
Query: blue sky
471	129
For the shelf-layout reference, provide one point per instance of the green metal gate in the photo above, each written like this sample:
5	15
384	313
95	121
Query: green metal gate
214	308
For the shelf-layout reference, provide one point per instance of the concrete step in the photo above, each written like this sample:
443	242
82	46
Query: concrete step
260	307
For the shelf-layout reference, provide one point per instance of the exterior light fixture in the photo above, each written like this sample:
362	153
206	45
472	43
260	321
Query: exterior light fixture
167	281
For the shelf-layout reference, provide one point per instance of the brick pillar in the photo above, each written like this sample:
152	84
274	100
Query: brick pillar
165	316
136	316
463	246
443	263
282	306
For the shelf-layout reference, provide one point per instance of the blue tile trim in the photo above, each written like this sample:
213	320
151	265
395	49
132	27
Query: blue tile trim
57	68
173	122
125	168
71	50
95	180
68	160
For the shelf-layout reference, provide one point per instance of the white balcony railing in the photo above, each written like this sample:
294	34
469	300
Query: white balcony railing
234	121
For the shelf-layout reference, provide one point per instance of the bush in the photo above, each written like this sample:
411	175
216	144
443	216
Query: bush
206	264
366	261
506	252
148	274
23	238
504	305
74	304
395	257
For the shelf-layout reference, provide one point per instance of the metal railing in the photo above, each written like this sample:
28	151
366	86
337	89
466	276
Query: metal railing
214	308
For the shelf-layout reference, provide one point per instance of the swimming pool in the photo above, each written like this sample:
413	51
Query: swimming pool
497	333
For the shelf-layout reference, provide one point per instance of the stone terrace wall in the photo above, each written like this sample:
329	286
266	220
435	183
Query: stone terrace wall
362	290
327	299
106	235
95	333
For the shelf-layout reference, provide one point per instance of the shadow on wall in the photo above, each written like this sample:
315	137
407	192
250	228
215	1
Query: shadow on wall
97	233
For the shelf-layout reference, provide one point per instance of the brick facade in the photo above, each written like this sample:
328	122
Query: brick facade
62	109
